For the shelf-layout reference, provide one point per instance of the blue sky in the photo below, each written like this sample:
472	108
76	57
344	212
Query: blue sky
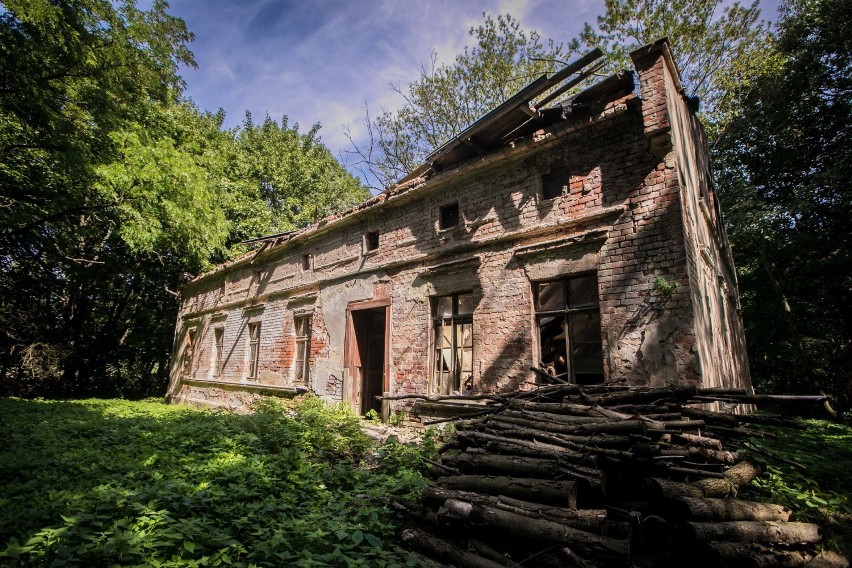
322	60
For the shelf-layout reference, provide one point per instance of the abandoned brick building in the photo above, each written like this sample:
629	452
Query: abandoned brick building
583	237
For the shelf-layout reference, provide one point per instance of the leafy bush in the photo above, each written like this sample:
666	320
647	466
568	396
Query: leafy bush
820	493
142	483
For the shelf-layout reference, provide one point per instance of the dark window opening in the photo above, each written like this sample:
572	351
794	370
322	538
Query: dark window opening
569	326
554	185
449	216
301	362
306	262
452	317
219	346
371	241
254	349
188	351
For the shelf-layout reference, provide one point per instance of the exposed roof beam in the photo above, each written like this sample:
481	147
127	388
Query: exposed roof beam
572	83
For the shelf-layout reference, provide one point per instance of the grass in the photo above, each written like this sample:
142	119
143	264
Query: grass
822	492
111	482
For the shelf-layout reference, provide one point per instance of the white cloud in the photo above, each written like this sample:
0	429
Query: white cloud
321	61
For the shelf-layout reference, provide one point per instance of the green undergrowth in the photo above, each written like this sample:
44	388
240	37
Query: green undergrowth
821	492
112	482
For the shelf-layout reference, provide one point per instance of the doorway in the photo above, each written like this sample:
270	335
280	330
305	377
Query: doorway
366	356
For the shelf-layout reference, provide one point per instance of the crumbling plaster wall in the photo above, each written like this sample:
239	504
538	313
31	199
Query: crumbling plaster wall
721	357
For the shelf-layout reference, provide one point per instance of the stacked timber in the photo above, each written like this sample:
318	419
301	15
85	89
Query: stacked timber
605	476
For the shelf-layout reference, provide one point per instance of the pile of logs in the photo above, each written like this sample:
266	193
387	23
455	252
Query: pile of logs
605	476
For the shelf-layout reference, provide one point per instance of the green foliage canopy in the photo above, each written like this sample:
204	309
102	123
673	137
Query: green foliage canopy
292	173
718	48
783	171
112	188
446	99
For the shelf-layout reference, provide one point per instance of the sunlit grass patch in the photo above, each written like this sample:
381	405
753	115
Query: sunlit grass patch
99	482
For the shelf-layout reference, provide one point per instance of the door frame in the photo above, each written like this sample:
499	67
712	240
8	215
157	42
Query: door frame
351	395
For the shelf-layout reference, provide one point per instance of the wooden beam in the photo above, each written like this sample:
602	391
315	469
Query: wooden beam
573	82
471	143
531	112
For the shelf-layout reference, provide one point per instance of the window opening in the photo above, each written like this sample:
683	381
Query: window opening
301	362
554	185
449	216
219	349
254	349
452	317
306	262
188	351
371	241
569	326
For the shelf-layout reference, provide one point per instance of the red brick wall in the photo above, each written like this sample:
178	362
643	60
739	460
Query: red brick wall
623	207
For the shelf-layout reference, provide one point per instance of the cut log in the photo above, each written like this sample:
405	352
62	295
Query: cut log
768	532
672	489
562	493
729	510
735	477
552	418
531	449
749	555
552	407
584	543
828	559
537	433
585	519
444	550
555	427
510	465
721	456
701	441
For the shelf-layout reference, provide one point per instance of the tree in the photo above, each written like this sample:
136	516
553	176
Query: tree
112	189
783	176
445	99
293	174
717	49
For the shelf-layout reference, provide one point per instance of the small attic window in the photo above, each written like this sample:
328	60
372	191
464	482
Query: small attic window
449	216
306	262
554	185
371	241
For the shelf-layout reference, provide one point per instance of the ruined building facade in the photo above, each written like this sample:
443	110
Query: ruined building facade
583	238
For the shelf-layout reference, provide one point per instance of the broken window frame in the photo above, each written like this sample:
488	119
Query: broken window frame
302	327
253	349
452	351
188	351
218	351
371	241
568	311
